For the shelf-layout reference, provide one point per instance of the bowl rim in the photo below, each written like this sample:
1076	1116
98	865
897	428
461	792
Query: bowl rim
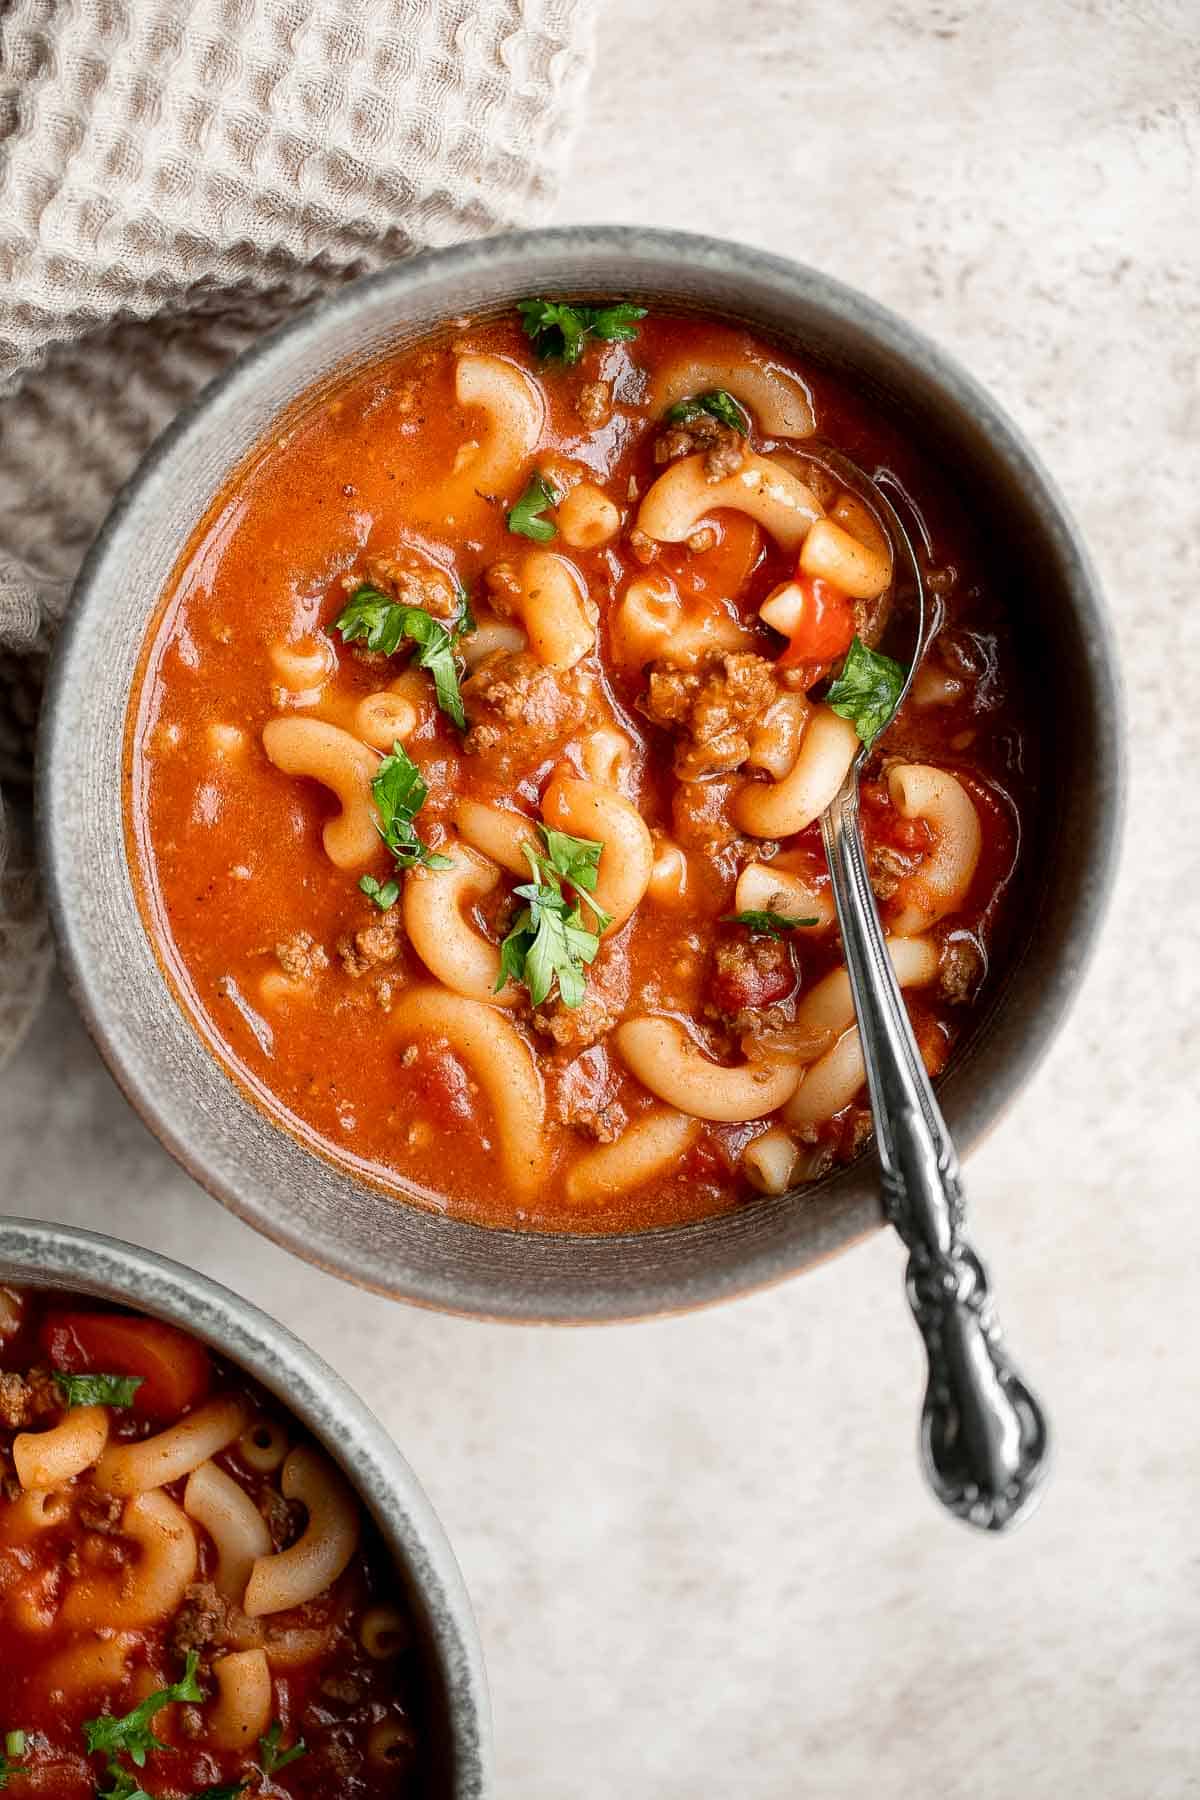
670	1283
36	1253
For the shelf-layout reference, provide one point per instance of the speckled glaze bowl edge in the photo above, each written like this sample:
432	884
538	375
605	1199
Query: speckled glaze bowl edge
62	1256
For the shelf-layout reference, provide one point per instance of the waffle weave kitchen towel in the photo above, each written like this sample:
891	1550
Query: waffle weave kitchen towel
175	177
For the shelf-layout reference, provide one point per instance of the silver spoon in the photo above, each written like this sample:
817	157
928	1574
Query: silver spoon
984	1437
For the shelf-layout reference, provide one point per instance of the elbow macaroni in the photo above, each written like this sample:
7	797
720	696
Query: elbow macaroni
322	1552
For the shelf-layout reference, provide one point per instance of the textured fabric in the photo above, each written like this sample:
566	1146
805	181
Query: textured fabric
178	175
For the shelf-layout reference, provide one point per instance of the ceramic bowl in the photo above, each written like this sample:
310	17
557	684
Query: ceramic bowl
458	1717
255	1167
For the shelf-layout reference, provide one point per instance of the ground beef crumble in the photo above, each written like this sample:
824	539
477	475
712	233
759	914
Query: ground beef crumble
100	1512
960	970
887	868
300	956
410	581
713	708
724	448
594	404
282	1516
25	1398
519	709
573	1028
201	1621
373	945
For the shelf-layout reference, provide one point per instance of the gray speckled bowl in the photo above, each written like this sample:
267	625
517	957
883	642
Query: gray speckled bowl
60	1256
267	1176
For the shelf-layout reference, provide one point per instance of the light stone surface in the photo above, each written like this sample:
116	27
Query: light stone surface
700	1551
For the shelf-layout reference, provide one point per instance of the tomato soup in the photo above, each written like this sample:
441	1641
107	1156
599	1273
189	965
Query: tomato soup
476	765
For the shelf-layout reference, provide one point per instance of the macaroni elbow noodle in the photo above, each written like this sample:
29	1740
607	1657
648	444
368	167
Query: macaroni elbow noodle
768	887
940	884
233	1522
605	756
516	415
47	1459
836	1077
333	757
174	1453
777	809
652	621
553	606
648	1147
586	809
154	1588
770	1161
668	885
241	1712
778	400
830	553
675	1069
587	517
489	635
501	1062
683	497
380	719
323	1550
496	833
302	672
92	1666
37	1509
453	949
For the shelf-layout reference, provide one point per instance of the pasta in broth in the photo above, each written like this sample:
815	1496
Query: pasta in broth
479	752
191	1599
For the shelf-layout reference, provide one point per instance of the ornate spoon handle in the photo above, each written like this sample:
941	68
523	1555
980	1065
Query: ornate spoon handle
984	1438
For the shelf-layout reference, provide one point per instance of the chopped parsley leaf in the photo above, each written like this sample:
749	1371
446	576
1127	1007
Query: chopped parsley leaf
124	1787
272	1757
716	403
383	893
384	625
525	517
98	1390
766	924
399	793
131	1733
550	941
867	691
558	331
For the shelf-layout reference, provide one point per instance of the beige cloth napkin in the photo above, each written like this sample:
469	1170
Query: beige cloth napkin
175	176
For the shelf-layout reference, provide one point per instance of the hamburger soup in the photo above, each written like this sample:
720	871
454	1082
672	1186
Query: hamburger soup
477	758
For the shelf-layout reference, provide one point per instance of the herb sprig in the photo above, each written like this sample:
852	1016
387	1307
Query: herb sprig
98	1390
867	692
558	331
550	941
525	517
766	923
384	625
131	1733
271	1756
716	402
399	792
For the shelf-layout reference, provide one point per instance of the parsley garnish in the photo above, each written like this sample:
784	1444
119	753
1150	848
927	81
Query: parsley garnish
98	1390
716	403
525	516
400	793
549	940
10	1756
124	1787
559	331
867	691
765	924
385	624
383	893
132	1732
229	1791
273	1757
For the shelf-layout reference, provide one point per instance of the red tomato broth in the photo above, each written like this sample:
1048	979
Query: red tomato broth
311	1700
229	859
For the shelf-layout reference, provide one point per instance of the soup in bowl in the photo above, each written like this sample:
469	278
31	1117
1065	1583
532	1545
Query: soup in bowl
474	744
197	1595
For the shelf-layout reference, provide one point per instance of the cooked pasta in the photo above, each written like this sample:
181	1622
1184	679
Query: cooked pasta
113	1602
504	790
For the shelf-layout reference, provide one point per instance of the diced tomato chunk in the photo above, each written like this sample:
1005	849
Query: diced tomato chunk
825	626
750	974
175	1371
722	570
